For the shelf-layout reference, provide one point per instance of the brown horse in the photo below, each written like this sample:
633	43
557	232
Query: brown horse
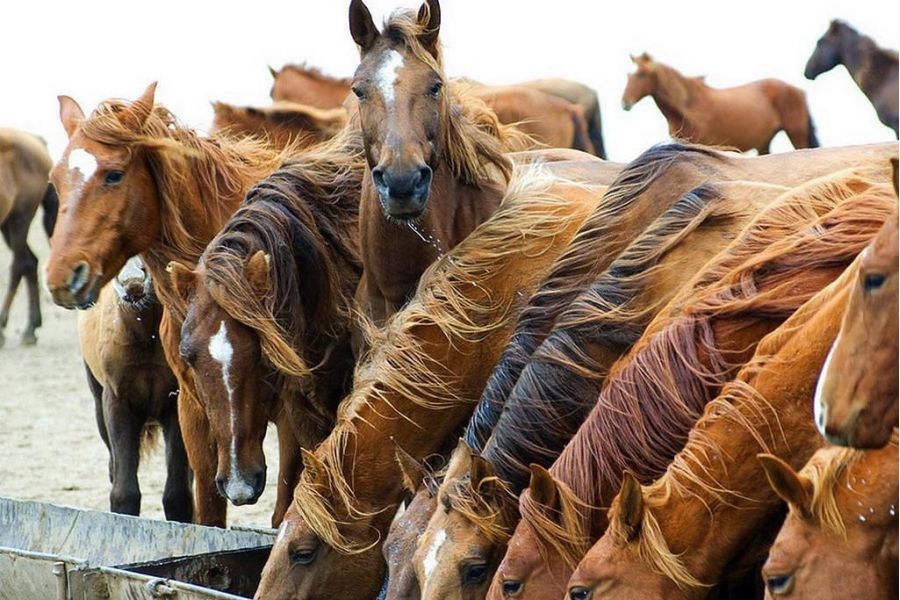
840	537
874	69
134	389
654	395
743	117
706	518
283	124
267	331
416	388
437	167
580	95
307	85
464	541
133	181
24	171
856	398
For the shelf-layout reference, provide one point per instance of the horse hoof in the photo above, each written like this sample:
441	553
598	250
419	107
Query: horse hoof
29	339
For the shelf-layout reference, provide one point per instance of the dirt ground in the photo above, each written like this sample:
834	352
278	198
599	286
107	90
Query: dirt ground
49	446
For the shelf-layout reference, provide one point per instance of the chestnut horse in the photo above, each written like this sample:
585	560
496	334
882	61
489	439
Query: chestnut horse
24	171
708	516
856	398
580	95
267	331
437	168
653	396
282	124
840	537
307	85
745	117
134	389
133	181
874	69
561	382
416	388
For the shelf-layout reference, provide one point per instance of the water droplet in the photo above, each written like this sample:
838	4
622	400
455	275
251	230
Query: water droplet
871	510
893	511
862	518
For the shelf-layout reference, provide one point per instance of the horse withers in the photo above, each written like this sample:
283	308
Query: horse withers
134	389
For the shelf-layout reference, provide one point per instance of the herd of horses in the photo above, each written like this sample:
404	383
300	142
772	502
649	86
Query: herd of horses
498	366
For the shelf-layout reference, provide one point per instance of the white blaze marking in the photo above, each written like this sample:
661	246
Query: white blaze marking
387	75
431	562
819	409
82	161
282	532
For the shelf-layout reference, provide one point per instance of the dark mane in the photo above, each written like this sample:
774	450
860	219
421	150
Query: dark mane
572	273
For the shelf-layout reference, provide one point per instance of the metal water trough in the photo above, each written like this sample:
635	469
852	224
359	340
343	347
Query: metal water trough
50	552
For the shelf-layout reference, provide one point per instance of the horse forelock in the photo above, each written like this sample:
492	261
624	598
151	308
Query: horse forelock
494	512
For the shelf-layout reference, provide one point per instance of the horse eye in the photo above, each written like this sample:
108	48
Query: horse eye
435	89
873	281
303	556
187	353
781	584
512	587
358	92
475	574
113	177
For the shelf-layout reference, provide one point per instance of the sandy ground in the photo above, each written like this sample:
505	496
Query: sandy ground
49	446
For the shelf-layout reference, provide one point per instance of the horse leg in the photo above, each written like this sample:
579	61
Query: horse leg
14	277
290	463
124	429
178	502
34	300
97	393
201	451
764	148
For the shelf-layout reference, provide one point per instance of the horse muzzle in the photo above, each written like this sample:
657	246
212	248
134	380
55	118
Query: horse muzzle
240	490
80	289
403	194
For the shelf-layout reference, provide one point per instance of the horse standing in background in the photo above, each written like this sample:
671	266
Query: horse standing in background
283	124
579	95
308	85
745	117
874	69
24	175
134	389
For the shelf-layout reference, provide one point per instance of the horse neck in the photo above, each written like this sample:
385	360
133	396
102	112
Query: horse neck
860	54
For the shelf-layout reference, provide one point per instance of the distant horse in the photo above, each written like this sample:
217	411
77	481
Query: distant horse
416	388
134	181
282	124
307	85
874	69
579	95
134	389
560	384
24	173
709	517
840	537
653	395
437	164
267	331
856	398
745	117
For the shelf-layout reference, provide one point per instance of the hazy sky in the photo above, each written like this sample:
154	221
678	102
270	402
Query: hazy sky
200	51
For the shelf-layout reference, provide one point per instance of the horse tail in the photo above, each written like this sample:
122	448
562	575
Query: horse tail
813	141
50	204
580	138
595	129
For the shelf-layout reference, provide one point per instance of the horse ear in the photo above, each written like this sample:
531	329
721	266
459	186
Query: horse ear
362	27
183	279
429	18
314	466
143	106
543	487
633	58
70	114
257	272
791	487
480	470
894	169
273	72
631	504
413	471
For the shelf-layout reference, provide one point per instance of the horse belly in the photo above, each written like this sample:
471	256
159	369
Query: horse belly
745	121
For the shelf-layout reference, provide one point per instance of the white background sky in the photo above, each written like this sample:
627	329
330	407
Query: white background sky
200	51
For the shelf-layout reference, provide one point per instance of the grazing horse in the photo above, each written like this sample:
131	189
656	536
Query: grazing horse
874	69
708	516
307	85
856	398
24	171
267	331
437	167
417	387
745	117
283	124
134	389
133	181
560	384
839	539
653	396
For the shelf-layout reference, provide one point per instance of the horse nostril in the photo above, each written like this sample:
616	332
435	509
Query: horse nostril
220	485
259	481
378	177
579	593
79	276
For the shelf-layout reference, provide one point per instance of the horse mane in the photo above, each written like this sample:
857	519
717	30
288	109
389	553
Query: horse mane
832	239
182	163
399	365
472	139
310	207
571	273
654	396
316	73
310	123
545	409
